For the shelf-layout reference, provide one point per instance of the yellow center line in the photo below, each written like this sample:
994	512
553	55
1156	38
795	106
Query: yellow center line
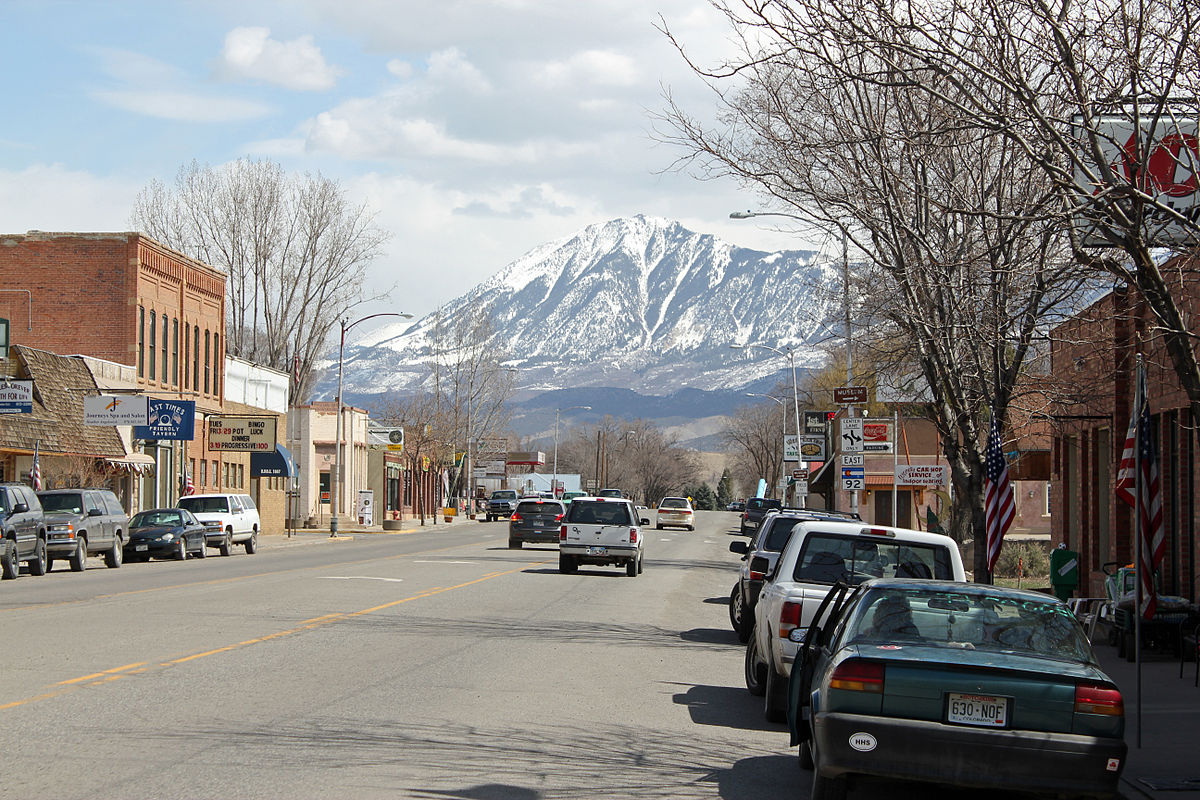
117	673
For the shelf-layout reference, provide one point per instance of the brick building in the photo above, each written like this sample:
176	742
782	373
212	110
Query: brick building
1093	362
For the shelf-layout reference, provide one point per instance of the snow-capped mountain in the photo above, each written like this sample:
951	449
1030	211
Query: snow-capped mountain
639	303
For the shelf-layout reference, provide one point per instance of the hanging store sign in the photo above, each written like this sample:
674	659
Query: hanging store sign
116	410
172	420
16	397
241	434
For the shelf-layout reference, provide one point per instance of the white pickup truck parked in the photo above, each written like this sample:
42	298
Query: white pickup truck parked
818	555
602	530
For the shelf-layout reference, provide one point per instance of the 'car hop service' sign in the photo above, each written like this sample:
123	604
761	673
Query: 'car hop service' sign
118	409
171	420
922	474
245	434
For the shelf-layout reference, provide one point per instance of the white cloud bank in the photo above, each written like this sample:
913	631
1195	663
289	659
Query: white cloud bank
251	54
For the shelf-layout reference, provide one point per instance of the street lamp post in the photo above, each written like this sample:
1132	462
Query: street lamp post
334	493
557	411
782	418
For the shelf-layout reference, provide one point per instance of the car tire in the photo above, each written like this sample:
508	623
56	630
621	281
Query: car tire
227	543
37	564
775	696
659	527
824	788
181	550
203	551
691	527
115	554
742	622
567	564
631	569
514	544
805	756
78	559
9	563
49	564
252	543
755	669
641	563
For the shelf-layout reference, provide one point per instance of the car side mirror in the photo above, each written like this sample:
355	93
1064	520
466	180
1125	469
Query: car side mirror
95	512
762	565
739	547
21	508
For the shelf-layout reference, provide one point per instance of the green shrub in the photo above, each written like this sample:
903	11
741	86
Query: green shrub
1033	555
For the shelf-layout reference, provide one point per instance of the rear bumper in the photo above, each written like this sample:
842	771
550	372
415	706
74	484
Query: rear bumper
613	555
539	535
964	756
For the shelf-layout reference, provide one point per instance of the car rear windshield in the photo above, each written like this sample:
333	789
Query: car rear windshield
62	502
830	557
593	513
673	502
759	503
205	505
969	620
504	495
549	507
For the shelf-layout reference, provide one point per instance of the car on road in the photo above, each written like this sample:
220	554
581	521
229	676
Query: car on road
675	512
24	529
567	497
535	521
756	509
83	522
166	533
610	493
230	518
767	543
818	554
501	504
736	505
602	530
966	685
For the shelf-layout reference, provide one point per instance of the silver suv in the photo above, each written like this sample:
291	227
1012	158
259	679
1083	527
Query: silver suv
83	522
228	519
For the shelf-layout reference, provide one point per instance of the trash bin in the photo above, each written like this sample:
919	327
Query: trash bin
1064	572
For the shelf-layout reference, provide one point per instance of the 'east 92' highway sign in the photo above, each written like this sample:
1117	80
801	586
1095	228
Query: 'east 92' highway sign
244	434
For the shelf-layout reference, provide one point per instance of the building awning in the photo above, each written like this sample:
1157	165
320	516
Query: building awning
278	464
133	462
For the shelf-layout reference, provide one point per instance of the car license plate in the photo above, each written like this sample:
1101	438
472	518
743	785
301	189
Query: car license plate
597	551
140	547
977	709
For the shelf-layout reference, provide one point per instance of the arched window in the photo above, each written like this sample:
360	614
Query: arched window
207	358
165	374
218	360
195	358
141	341
175	351
153	339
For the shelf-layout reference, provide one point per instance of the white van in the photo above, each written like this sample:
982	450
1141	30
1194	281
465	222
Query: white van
229	519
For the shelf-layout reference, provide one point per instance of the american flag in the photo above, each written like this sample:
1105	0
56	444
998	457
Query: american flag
1153	544
188	486
999	506
1126	483
35	473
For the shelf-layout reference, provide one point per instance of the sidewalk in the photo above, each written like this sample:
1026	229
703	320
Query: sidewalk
1167	766
347	531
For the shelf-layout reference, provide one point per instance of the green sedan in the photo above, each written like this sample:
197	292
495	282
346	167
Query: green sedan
953	683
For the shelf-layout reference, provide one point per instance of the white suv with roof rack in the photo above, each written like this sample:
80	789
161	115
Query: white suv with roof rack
818	554
228	519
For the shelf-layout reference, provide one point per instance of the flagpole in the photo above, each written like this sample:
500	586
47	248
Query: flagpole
1137	540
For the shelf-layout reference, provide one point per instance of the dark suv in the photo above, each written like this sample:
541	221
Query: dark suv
83	522
768	542
24	530
756	507
535	521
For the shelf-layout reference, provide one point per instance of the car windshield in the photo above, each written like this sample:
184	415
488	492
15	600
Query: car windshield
673	502
779	533
156	518
72	503
969	620
610	493
759	503
551	507
828	558
504	495
205	505
600	514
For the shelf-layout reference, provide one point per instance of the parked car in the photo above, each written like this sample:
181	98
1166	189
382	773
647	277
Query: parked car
675	512
83	522
928	680
767	542
602	530
230	518
535	521
166	533
736	505
818	554
502	503
756	507
24	530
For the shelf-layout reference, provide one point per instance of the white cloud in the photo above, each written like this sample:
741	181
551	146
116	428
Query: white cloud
400	68
182	106
50	197
592	67
451	67
252	54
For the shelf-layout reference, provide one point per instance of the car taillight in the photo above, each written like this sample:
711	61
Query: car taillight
558	517
562	533
1092	698
856	675
633	535
745	515
789	618
757	576
515	517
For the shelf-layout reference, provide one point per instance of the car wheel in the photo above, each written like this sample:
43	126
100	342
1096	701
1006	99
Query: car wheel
825	788
78	560
735	607
631	569
37	564
115	555
181	550
9	562
252	543
805	756
691	527
775	696
641	563
514	544
739	616
227	543
659	527
567	564
203	551
49	564
756	670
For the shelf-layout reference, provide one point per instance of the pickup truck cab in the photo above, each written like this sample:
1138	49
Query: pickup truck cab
818	554
502	504
601	530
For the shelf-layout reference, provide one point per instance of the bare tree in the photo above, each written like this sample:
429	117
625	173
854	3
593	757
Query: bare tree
422	417
294	248
753	435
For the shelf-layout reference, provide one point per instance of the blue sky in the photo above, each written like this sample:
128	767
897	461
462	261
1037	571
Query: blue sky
475	130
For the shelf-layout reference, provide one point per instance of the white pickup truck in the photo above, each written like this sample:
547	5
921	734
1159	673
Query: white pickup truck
818	555
602	530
